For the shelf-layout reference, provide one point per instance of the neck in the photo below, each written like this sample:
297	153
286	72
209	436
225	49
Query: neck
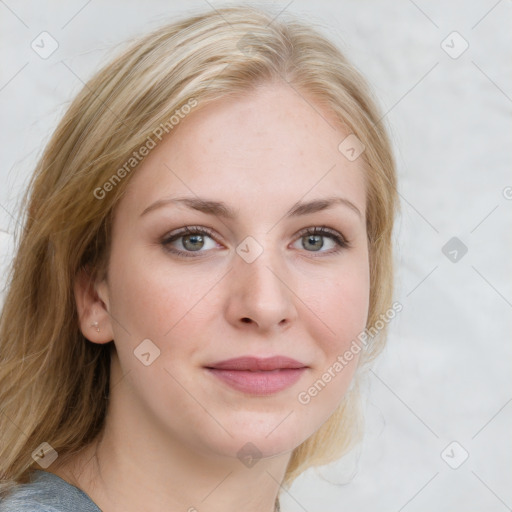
134	466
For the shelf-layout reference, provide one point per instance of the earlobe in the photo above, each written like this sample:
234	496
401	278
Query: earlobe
92	311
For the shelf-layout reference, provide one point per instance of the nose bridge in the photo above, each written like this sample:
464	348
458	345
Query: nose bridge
261	286
259	265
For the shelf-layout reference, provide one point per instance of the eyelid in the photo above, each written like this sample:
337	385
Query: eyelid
323	230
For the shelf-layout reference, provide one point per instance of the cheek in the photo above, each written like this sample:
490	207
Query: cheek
340	305
341	313
150	298
349	305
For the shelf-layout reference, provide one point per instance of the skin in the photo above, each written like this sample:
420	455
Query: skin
173	430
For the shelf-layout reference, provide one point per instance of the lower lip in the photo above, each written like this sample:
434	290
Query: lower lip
260	382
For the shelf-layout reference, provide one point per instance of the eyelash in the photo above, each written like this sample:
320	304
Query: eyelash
341	242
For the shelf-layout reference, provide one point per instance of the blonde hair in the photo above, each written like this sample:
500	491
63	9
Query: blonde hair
54	383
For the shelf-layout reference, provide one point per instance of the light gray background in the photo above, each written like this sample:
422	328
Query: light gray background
445	375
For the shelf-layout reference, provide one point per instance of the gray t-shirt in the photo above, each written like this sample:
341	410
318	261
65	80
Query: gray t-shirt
47	492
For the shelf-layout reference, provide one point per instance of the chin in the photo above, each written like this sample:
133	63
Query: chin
263	436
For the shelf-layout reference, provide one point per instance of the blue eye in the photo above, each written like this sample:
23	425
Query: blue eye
192	239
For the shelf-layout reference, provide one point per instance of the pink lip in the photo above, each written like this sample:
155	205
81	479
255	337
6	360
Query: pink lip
258	376
253	364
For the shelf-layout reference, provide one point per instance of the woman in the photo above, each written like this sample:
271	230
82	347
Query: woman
202	276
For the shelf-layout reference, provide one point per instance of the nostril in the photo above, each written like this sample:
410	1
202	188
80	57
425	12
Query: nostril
246	320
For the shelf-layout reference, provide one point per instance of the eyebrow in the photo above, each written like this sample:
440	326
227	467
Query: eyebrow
221	209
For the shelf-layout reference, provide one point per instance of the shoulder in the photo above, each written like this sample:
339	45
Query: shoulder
25	505
47	492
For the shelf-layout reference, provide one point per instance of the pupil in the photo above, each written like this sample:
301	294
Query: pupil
311	239
193	237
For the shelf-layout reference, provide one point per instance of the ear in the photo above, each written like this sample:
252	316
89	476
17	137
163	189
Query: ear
92	304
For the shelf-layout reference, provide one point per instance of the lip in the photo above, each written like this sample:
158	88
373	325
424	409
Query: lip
258	376
251	363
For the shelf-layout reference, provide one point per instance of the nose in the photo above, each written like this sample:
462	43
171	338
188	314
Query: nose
260	294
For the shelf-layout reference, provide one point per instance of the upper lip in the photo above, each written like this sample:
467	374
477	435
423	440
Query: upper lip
251	363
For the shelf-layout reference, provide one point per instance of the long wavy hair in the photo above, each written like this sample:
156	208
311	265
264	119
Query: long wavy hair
54	383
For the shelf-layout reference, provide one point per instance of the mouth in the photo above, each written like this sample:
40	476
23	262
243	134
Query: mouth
258	376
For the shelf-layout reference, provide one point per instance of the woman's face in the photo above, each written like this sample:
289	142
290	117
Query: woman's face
252	285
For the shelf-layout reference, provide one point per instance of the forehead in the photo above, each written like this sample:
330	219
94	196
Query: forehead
269	146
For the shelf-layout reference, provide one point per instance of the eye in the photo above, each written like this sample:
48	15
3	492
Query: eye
312	238
193	238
